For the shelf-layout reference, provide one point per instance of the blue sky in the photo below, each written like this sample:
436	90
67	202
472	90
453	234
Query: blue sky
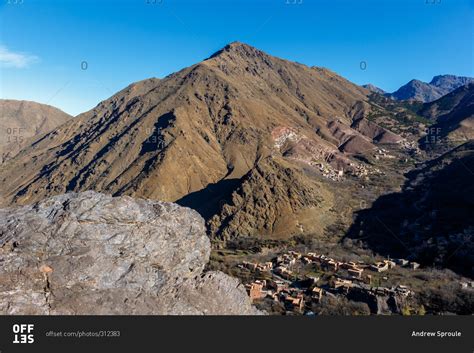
43	43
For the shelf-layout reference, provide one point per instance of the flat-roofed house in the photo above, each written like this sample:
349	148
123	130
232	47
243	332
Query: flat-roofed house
256	290
355	272
317	294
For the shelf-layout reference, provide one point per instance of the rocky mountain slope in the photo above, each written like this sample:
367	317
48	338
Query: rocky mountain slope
22	120
210	125
428	92
272	198
89	253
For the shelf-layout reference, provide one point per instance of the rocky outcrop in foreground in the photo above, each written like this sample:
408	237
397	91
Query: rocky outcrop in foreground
88	253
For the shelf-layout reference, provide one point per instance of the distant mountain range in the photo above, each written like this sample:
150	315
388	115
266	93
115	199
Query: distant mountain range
452	117
22	120
373	88
425	92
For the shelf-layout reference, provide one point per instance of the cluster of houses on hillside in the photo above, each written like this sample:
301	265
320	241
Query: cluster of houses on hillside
292	298
410	146
329	172
288	287
383	153
355	169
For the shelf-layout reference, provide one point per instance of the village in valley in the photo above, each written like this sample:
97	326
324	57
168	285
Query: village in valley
285	281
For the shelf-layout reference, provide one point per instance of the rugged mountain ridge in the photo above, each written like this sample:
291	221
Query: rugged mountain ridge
427	92
89	253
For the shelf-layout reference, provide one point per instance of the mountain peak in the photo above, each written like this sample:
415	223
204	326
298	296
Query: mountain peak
415	82
237	48
373	88
438	78
237	44
450	82
439	86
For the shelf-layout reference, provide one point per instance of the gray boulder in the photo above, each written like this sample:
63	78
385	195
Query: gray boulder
89	253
